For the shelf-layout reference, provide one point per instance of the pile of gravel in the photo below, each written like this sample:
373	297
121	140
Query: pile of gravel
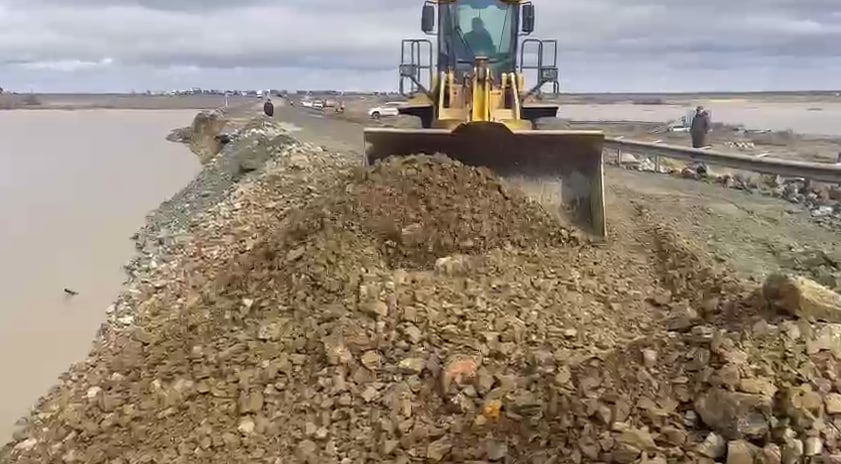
241	160
422	311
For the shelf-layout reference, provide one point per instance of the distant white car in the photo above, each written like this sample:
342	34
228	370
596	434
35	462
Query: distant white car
388	109
318	104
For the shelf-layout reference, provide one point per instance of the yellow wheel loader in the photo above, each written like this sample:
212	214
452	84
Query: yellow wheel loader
474	107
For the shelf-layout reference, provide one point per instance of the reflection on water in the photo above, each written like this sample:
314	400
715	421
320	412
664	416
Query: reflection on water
74	186
805	118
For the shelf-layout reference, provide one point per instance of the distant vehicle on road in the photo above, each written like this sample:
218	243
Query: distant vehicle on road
683	123
307	103
318	104
388	109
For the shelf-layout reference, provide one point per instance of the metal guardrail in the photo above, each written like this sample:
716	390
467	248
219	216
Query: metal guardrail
786	168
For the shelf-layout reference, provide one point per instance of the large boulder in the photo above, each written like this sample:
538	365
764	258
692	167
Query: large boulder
181	135
803	298
257	143
735	415
204	132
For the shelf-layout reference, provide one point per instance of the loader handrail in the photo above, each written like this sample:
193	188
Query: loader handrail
822	172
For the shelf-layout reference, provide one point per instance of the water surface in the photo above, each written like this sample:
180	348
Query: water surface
804	118
74	186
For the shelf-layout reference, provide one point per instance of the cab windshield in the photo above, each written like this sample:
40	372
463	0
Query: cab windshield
483	28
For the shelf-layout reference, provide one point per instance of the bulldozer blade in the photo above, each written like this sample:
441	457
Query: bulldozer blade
570	162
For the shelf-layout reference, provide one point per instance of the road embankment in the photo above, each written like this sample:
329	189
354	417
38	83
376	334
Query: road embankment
303	309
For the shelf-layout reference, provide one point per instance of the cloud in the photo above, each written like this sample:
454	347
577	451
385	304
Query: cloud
603	44
65	65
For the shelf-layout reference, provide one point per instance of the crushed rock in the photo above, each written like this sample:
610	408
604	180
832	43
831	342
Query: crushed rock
424	311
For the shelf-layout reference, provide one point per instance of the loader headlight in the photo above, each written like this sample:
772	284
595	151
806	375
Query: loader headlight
549	74
408	70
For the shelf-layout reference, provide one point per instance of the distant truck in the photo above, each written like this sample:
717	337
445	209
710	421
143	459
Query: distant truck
310	103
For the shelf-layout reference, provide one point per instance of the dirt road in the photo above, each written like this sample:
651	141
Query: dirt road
756	235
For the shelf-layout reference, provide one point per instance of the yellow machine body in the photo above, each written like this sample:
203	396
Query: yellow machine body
476	110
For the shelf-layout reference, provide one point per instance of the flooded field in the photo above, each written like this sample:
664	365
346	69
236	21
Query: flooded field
804	118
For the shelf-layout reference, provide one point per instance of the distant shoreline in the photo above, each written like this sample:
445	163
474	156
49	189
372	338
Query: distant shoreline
76	101
117	101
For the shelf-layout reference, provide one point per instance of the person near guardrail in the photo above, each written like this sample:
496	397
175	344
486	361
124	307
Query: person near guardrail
700	127
268	108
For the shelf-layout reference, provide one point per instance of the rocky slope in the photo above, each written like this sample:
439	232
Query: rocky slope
424	311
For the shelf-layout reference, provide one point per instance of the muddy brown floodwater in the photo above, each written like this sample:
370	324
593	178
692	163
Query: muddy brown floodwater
74	186
803	118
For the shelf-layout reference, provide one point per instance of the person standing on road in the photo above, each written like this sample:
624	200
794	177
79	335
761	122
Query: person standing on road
268	108
700	127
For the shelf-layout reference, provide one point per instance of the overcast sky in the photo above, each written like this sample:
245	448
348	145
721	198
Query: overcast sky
605	45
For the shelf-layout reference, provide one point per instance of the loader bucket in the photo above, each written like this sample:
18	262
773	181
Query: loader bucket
567	164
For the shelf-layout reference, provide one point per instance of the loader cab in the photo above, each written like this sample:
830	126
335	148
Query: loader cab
469	29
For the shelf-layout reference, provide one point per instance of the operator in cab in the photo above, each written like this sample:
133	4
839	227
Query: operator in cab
479	39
